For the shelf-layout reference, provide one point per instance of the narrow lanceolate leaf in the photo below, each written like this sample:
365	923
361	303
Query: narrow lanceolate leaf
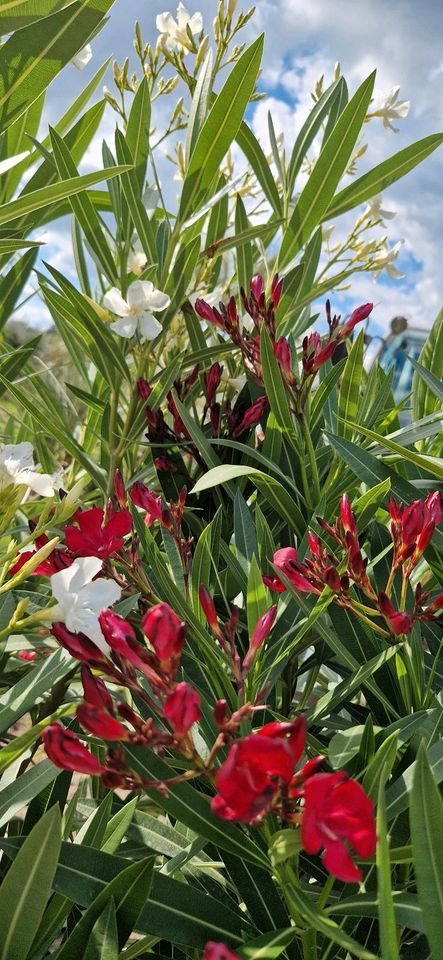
131	190
220	128
244	259
58	191
103	941
16	795
274	386
256	157
83	209
316	196
433	465
272	490
199	105
349	394
10	245
31	59
309	131
28	691
27	886
12	283
381	176
137	131
388	928
423	397
268	946
15	14
426	820
319	921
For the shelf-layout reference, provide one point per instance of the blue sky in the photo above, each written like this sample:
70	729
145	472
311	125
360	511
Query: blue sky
304	38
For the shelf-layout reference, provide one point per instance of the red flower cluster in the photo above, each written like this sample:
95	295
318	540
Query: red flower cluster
176	703
258	777
412	528
93	537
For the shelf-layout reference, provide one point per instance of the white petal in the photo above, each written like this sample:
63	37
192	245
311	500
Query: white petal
114	302
165	22
83	57
99	595
17	456
149	326
139	293
42	483
70	581
158	301
182	16
86	621
125	327
136	261
393	272
196	23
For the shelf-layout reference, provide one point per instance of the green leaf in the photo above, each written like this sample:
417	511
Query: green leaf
103	941
220	129
275	387
129	890
426	820
272	490
118	826
256	599
388	929
431	465
423	397
380	768
323	924
316	196
83	209
28	785
28	691
381	176
24	12
137	131
398	794
199	105
180	275
27	886
131	190
349	394
256	158
43	197
268	946
244	260
10	245
309	131
192	808
12	283
31	59
435	385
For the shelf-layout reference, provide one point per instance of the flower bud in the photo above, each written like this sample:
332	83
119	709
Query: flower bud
182	709
95	691
252	415
276	290
257	288
218	951
100	723
165	632
332	579
347	516
119	489
144	388
282	353
212	381
208	607
67	752
78	645
220	712
261	630
142	497
361	313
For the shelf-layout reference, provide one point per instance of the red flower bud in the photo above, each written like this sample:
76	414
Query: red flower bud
142	497
78	645
165	631
67	752
208	607
95	691
212	381
27	655
282	353
435	506
252	416
273	583
182	709
220	712
206	312
144	389
257	288
276	290
401	623
361	313
163	463
332	579
119	489
100	723
347	516
314	544
261	630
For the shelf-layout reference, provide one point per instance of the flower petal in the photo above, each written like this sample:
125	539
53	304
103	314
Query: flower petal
125	327
158	301
139	295
70	580
165	22
149	327
114	302
41	483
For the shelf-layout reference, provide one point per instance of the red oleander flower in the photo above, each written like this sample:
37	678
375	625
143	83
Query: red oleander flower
94	538
165	632
250	779
287	561
182	709
337	813
142	497
68	752
218	951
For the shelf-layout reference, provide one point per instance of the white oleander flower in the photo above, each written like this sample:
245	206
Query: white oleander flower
173	33
384	260
391	109
83	57
81	599
375	211
17	466
135	313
